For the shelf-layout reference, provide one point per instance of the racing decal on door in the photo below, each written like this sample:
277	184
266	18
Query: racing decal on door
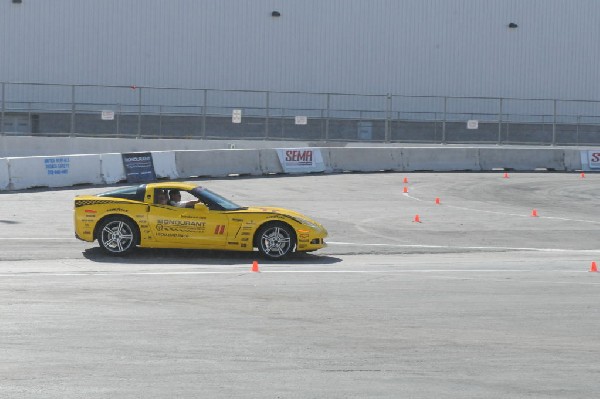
219	229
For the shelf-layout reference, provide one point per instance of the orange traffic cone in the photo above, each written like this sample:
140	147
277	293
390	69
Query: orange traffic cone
582	175
405	180
437	201
417	219
506	175
534	213
405	190
255	267
594	268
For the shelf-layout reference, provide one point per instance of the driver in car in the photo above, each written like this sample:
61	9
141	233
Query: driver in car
175	200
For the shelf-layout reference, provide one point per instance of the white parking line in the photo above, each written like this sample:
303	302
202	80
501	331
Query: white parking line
505	213
248	272
34	238
465	248
488	275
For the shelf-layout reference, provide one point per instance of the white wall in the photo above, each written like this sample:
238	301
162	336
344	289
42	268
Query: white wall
25	146
413	47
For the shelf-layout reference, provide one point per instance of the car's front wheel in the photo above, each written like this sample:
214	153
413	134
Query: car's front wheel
276	240
118	235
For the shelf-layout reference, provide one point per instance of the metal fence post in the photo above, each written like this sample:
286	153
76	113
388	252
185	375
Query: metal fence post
500	123
267	116
204	114
388	134
444	121
139	129
577	129
3	109
554	126
282	122
72	110
160	107
327	119
118	117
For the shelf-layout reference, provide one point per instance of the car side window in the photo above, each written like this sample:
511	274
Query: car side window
160	197
181	199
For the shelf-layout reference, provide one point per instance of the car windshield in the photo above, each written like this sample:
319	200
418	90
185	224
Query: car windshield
214	200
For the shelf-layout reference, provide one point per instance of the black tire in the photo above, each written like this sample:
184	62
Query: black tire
118	235
275	240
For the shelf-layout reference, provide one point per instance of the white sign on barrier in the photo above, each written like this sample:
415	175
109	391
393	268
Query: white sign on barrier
59	171
236	116
57	166
472	124
108	115
301	160
301	120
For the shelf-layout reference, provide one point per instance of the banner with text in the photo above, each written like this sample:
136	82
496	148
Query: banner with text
301	160
590	159
139	167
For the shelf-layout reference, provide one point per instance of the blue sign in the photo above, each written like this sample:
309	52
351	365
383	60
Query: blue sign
139	167
57	166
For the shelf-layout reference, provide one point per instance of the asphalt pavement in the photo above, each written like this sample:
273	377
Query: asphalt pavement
488	294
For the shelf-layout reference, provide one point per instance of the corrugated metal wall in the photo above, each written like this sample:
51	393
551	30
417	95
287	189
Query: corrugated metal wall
412	47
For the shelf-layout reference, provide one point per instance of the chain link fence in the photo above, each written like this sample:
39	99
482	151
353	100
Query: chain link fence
153	112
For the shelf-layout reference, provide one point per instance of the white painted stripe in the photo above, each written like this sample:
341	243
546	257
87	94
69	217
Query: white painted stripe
433	273
34	238
504	213
246	272
466	248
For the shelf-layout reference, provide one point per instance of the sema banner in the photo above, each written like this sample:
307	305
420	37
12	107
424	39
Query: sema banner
591	159
139	167
301	160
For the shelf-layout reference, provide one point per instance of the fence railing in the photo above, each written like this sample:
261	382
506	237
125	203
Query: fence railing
132	111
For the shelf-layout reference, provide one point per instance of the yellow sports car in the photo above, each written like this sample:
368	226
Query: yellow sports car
182	215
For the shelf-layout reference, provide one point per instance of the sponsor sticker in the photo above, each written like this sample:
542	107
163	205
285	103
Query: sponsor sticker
188	226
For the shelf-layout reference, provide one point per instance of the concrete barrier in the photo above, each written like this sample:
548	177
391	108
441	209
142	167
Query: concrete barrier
217	163
523	159
440	159
573	161
112	168
59	171
269	161
62	171
164	164
370	159
4	176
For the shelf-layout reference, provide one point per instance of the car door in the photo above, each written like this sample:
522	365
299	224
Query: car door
189	227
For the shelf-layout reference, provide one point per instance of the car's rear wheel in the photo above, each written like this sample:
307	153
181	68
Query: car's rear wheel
118	235
276	240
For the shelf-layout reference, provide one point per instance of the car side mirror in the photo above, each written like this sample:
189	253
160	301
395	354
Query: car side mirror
201	207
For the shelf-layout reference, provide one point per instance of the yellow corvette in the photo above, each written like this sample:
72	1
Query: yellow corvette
182	215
